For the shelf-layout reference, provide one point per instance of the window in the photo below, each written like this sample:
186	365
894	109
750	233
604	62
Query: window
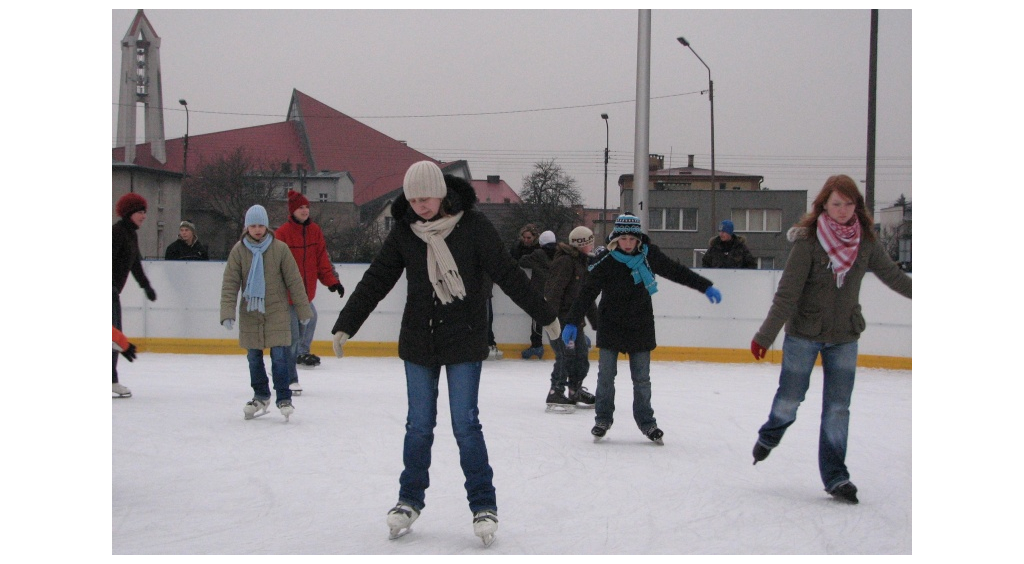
323	196
673	219
757	220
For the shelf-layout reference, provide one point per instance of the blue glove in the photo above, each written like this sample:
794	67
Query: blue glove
713	295
569	333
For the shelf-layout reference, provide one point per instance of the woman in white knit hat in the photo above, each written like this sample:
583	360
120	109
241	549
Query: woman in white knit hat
446	249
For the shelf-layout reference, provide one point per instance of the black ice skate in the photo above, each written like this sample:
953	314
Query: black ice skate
533	352
558	403
599	430
582	398
760	452
845	491
655	434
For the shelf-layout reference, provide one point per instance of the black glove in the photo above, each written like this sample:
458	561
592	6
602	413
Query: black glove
337	288
130	353
150	293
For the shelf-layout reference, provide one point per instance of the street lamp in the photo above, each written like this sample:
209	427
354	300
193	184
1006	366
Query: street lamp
184	164
604	209
711	98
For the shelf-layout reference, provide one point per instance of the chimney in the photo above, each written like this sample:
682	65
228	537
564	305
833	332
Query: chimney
655	162
689	161
493	178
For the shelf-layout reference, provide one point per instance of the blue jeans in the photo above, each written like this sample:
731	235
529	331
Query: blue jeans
279	368
463	388
571	365
839	364
640	372
302	338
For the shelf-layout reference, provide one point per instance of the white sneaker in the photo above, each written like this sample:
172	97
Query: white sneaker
485	524
121	390
255	407
400	519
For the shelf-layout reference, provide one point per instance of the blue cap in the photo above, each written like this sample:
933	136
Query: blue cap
726	226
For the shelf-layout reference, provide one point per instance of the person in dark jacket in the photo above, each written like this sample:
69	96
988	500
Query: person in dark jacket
623	275
187	245
818	302
528	242
728	250
565	279
537	263
446	249
131	208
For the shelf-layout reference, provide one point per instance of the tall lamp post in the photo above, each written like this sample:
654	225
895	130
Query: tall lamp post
711	98
184	164
604	209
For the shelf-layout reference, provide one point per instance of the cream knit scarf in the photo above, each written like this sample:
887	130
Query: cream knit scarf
441	267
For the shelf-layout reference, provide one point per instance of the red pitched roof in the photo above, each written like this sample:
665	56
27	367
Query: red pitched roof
494	192
335	141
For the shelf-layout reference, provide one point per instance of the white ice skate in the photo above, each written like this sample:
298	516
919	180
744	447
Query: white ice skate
485	524
287	409
296	388
121	390
400	520
255	408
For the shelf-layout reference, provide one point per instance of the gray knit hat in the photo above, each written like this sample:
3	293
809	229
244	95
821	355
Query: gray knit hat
257	215
424	180
190	226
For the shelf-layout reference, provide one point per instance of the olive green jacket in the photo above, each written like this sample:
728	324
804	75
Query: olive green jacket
273	328
807	300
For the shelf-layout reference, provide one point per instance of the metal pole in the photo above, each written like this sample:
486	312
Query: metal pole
604	207
641	154
869	189
184	163
711	98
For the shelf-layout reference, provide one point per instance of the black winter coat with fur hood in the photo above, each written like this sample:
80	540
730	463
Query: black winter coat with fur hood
433	333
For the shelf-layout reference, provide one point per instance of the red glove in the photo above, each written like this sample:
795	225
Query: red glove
757	350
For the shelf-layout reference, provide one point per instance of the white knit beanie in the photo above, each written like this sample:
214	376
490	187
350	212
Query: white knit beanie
424	180
256	215
547	237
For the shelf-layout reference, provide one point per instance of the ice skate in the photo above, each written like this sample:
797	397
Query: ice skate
494	353
845	491
582	398
533	352
286	408
599	430
256	407
760	452
485	524
400	520
296	388
121	390
311	360
558	403
655	434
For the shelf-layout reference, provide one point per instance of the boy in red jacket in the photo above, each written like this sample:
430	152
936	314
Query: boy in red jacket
308	246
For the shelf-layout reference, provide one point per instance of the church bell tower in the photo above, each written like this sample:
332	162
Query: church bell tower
140	84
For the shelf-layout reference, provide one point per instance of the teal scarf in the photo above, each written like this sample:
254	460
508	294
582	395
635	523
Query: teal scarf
638	267
255	292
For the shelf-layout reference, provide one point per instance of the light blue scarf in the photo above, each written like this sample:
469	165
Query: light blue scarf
638	267
255	292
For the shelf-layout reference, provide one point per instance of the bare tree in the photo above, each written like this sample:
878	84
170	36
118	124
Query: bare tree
221	191
551	199
357	244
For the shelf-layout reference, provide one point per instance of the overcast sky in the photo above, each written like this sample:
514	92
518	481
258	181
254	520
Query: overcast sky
506	89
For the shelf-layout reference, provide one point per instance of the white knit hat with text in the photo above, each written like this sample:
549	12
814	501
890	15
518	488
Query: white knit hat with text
581	237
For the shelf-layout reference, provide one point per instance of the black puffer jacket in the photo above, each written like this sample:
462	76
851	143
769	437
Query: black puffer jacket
733	253
626	312
433	333
126	255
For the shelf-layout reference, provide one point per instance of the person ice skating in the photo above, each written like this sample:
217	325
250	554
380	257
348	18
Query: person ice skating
446	249
131	209
528	242
537	263
728	250
623	275
817	301
309	248
565	278
187	245
264	271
